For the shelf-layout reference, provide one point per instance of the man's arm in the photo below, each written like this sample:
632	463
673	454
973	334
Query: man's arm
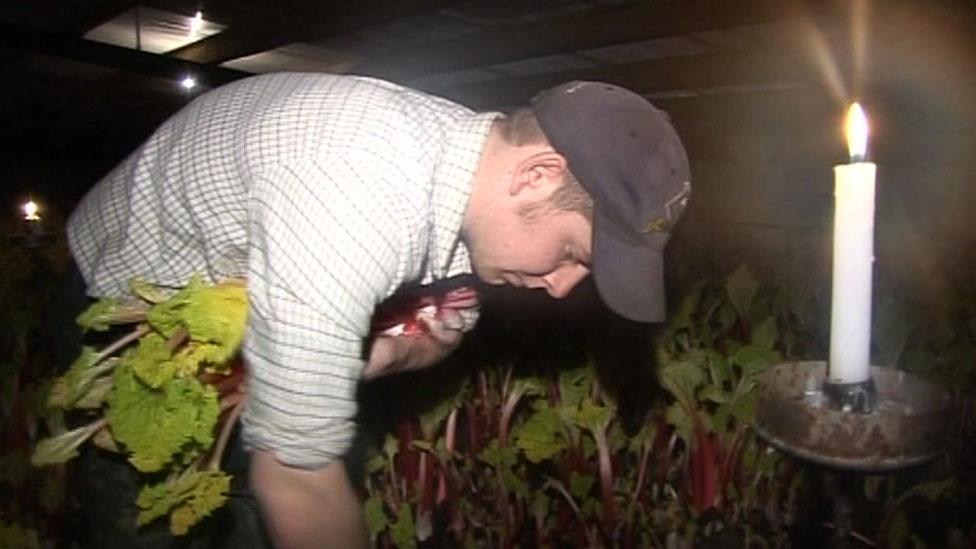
308	508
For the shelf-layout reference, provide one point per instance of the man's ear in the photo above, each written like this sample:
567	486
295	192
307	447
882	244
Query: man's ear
538	171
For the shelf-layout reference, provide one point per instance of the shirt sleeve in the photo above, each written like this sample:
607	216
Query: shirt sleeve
322	253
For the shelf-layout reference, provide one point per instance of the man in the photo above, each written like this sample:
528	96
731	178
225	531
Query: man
328	193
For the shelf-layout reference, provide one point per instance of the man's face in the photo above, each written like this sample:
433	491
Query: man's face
551	251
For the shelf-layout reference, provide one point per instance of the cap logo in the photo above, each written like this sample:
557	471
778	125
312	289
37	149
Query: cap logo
672	208
656	225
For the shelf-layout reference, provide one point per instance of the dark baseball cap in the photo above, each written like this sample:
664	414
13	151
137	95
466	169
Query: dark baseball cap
628	157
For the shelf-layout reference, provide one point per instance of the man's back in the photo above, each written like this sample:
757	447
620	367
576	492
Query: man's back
177	206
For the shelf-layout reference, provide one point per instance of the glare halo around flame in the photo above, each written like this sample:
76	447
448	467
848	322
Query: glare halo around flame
857	132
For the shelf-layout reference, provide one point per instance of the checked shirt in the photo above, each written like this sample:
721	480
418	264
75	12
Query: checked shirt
328	193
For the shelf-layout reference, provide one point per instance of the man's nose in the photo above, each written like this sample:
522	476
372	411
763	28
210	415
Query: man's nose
562	280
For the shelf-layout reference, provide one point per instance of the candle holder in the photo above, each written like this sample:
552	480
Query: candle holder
892	421
904	425
31	236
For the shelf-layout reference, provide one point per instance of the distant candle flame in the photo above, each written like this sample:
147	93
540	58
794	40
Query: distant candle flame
196	23
857	132
30	211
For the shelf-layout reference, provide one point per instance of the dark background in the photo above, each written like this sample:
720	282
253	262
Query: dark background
757	89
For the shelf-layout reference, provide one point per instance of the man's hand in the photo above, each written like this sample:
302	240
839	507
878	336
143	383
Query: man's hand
441	335
308	509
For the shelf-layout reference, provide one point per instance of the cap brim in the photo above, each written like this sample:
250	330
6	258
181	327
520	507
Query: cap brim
628	276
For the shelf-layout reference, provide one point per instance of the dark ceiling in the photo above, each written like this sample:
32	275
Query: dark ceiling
73	104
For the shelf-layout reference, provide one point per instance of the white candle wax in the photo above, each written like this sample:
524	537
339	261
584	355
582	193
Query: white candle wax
850	320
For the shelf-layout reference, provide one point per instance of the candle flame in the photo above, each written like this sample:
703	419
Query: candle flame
30	211
196	23
857	132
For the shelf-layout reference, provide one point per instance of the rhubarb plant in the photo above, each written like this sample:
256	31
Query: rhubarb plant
539	456
166	394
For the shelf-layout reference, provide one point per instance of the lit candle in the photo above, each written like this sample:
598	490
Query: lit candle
850	320
30	211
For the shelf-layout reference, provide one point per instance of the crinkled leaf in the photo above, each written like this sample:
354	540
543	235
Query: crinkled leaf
719	420
719	369
375	464
157	424
744	407
148	291
689	303
529	386
150	361
741	288
645	436
768	460
540	437
617	438
188	499
712	393
424	445
166	317
574	385
104	313
540	507
766	332
683	424
218	315
933	490
432	419
191	356
60	448
214	315
580	485
722	323
78	380
899	531
682	378
404	532
514	483
591	509
376	520
391	446
97	394
754	359
594	417
65	386
497	456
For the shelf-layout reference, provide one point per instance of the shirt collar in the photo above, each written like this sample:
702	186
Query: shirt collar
453	178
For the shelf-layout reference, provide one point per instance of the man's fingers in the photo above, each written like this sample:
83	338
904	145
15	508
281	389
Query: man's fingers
451	319
445	329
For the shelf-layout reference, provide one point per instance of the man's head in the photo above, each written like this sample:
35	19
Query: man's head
593	177
628	157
